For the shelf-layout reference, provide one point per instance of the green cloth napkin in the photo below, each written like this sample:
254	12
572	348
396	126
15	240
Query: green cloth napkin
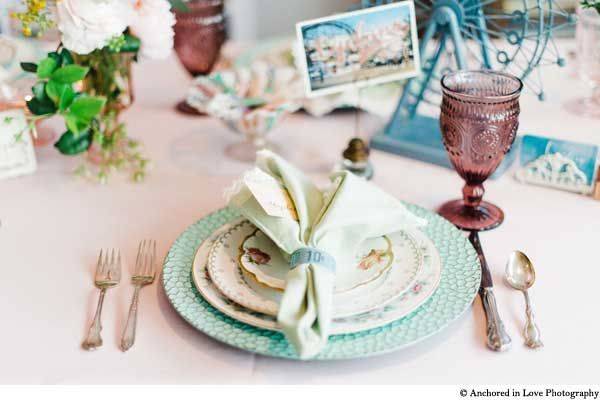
335	221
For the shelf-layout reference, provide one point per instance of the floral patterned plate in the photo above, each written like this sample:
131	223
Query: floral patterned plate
461	276
224	269
264	261
427	281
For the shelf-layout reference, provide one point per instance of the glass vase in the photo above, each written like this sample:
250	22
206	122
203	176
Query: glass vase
111	149
110	77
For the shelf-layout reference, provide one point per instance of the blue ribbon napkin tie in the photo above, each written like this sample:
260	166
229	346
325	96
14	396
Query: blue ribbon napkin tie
310	255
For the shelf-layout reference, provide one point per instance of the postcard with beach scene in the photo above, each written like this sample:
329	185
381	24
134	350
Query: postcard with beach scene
360	48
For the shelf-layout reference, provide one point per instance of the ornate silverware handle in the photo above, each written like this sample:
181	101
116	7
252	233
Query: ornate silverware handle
532	332
129	333
497	338
94	340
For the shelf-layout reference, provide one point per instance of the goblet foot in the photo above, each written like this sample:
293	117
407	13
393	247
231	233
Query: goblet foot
184	108
246	151
484	217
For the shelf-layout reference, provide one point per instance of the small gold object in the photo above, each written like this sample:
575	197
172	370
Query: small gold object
356	159
356	151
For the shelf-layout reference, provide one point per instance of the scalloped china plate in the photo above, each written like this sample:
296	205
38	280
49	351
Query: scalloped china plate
424	287
457	288
264	261
240	286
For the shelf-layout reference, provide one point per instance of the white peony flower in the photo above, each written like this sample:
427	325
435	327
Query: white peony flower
87	25
153	24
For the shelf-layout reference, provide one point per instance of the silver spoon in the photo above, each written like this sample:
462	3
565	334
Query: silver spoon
521	276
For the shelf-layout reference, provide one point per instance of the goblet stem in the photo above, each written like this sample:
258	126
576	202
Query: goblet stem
245	151
473	194
258	140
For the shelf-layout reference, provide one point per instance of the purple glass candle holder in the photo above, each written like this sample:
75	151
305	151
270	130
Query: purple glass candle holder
479	120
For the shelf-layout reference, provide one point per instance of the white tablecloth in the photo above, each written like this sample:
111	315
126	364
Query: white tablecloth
54	224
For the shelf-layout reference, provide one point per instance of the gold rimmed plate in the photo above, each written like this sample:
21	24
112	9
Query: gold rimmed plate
240	286
427	282
261	258
458	286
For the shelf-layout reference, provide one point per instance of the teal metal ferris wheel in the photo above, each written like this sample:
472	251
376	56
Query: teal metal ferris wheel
515	36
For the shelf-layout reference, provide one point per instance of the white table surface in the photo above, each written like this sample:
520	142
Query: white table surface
53	225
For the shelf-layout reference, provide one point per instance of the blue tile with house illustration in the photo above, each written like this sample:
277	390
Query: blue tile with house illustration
558	163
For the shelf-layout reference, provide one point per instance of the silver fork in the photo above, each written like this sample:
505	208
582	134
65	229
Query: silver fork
142	276
108	275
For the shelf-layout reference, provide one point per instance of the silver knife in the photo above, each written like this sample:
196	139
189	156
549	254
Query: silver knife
497	338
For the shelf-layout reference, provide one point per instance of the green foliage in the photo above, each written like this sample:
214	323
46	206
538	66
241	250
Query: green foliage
38	107
29	67
39	90
125	43
62	94
69	74
85	108
54	90
131	44
591	4
41	104
66	57
179	5
46	67
88	92
116	43
71	144
74	124
54	94
66	98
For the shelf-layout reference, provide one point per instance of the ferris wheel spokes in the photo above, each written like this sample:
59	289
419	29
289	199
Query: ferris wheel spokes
456	34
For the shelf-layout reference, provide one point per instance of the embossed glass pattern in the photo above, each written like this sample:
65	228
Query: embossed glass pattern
199	35
479	120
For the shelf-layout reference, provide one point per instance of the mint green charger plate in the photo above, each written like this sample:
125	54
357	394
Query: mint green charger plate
459	283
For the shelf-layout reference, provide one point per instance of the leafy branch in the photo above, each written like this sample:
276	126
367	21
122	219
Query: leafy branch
87	92
54	94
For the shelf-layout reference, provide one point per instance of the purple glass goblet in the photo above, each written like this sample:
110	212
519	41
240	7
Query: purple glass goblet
199	36
479	120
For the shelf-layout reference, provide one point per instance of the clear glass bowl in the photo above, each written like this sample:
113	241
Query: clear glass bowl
250	101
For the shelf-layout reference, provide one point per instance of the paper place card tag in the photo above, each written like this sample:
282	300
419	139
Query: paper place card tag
270	194
17	156
559	164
